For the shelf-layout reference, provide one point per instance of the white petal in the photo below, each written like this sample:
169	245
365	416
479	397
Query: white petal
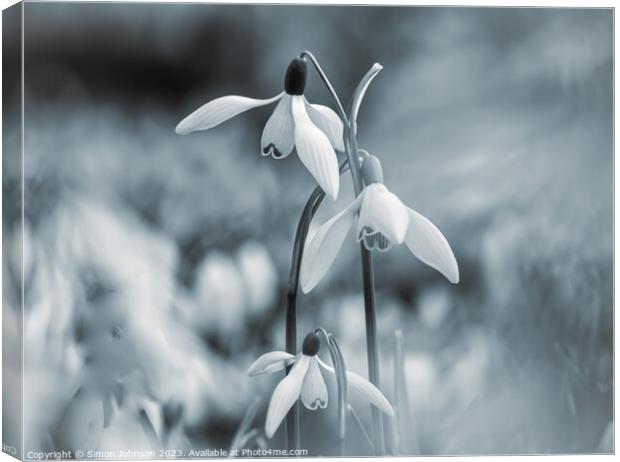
278	137
384	212
429	245
314	390
220	110
328	122
371	393
363	220
285	395
273	361
325	245
314	150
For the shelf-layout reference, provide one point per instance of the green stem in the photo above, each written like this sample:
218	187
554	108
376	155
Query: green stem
352	152
341	379
368	278
342	395
360	91
312	205
330	88
292	419
368	281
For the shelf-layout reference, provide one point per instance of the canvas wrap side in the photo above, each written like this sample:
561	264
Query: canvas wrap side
12	248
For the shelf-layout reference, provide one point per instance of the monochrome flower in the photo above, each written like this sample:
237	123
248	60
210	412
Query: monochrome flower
382	220
305	381
315	130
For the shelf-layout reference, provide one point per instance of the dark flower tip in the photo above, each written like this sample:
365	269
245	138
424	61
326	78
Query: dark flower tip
311	345
372	172
295	78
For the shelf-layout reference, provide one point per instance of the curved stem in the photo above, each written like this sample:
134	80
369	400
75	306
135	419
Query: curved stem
368	278
330	88
292	419
360	92
341	379
312	205
342	395
350	147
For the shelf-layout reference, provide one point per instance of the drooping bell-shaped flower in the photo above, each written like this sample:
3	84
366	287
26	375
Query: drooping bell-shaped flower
313	129
382	220
305	381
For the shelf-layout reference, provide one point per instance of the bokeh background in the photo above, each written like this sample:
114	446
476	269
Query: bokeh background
156	264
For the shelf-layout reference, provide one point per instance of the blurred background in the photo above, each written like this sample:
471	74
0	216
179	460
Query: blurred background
156	265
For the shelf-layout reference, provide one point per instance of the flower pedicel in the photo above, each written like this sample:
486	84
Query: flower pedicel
315	130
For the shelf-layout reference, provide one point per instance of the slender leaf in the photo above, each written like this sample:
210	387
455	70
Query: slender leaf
407	433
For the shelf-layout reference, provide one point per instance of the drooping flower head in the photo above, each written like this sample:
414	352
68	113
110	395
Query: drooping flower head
313	129
305	381
382	220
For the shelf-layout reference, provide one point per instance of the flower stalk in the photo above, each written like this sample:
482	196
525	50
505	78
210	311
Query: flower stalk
343	115
353	158
370	314
341	379
312	205
292	419
368	278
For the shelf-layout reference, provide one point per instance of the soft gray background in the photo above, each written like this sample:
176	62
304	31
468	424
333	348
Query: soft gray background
494	123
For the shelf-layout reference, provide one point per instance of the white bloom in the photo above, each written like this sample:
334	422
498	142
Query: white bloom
220	295
305	381
382	220
313	129
260	276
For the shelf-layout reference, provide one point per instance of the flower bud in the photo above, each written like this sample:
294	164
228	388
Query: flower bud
295	78
311	345
372	172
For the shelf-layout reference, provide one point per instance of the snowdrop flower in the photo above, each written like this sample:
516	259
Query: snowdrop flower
221	299
306	381
315	130
260	276
382	220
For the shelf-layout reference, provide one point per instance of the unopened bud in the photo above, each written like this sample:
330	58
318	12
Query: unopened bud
372	172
